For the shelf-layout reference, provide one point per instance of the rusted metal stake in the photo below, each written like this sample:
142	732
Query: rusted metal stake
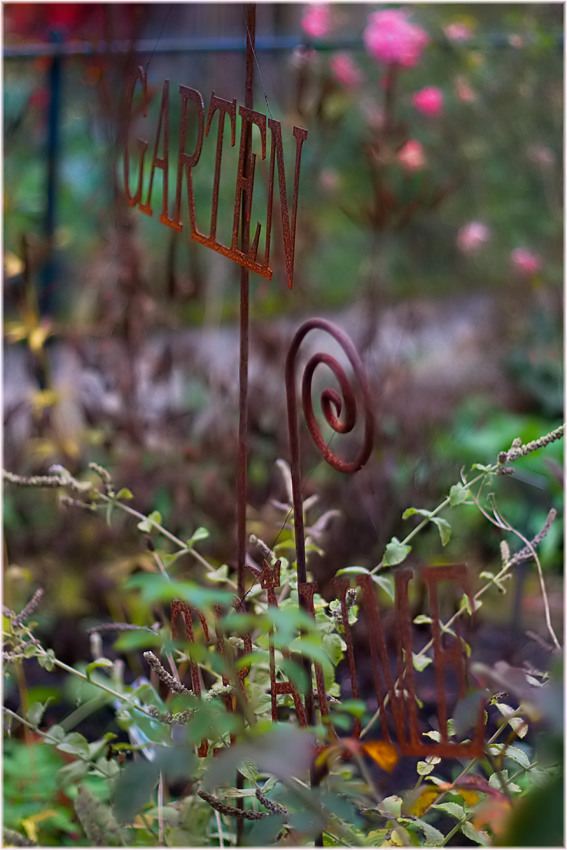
244	312
332	405
242	483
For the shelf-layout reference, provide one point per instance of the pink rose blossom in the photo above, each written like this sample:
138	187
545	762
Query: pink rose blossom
391	38
411	157
458	32
472	236
345	70
525	262
315	21
429	101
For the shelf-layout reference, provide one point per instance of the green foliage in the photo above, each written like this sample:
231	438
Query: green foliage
127	802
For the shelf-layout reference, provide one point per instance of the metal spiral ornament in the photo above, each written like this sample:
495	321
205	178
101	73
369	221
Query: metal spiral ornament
339	410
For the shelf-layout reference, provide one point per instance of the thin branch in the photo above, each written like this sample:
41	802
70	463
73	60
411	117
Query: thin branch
172	683
231	811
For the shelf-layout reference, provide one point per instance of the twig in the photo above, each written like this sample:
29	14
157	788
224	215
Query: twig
276	808
172	683
231	811
29	609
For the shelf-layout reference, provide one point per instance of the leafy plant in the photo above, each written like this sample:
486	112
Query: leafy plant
210	763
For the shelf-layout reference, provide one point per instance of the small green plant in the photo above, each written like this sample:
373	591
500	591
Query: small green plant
216	763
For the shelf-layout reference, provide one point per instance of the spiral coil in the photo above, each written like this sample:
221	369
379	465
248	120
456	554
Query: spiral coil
339	411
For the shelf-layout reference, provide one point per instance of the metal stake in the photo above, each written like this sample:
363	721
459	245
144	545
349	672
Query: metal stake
244	313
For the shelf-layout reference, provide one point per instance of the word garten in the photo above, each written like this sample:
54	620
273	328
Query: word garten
191	107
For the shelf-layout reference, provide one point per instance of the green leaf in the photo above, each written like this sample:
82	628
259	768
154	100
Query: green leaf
249	770
200	534
386	583
422	619
75	744
56	732
148	525
452	809
433	734
310	648
72	773
47	661
494	782
423	768
518	724
391	806
353	571
420	511
471	833
220	575
396	552
100	662
458	494
432	835
518	755
420	662
444	529
35	711
125	493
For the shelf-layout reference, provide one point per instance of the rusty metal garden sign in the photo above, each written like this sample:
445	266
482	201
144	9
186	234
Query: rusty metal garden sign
395	686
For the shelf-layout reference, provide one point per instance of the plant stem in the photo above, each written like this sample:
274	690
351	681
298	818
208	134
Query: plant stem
444	504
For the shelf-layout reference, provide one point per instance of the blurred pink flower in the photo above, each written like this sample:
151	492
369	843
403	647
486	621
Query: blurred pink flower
329	180
541	155
464	91
525	262
411	156
391	38
315	20
429	101
458	32
472	236
345	70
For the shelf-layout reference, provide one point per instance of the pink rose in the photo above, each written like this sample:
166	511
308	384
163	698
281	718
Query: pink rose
345	71
458	32
472	236
315	21
525	262
429	101
411	157
391	38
